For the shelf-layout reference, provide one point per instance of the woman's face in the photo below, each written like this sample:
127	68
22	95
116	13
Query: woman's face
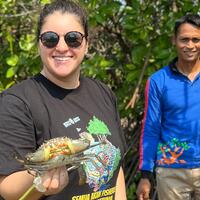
62	62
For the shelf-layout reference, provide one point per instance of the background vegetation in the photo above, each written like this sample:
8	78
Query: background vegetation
129	40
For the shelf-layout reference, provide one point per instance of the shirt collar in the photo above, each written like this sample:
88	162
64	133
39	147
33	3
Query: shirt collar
172	65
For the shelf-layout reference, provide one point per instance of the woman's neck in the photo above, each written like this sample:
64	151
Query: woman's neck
71	82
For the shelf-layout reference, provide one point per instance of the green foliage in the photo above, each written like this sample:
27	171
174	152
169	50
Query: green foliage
122	34
18	52
131	191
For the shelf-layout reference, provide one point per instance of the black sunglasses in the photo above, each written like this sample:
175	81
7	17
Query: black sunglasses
50	39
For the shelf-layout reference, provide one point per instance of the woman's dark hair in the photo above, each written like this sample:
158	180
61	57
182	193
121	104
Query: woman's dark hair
63	6
193	19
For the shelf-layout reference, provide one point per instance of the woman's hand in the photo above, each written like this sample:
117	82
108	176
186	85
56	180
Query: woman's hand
54	181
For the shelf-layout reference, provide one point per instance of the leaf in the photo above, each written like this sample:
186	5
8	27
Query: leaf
27	42
105	63
10	84
130	66
10	72
99	18
45	1
163	54
132	76
9	38
138	53
12	60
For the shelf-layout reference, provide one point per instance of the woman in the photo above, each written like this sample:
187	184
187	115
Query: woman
58	102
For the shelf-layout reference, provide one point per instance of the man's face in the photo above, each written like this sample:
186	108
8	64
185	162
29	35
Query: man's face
187	42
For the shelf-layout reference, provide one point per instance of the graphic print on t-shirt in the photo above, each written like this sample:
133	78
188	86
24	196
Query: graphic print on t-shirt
104	158
99	170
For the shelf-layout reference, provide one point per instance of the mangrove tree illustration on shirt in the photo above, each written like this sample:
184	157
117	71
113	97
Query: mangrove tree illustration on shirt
100	170
171	152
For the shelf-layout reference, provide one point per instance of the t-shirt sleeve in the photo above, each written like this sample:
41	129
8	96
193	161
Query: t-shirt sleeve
17	135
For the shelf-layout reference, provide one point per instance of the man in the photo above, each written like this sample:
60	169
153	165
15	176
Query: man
170	138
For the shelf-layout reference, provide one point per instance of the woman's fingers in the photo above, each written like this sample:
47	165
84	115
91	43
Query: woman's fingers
55	180
64	178
46	178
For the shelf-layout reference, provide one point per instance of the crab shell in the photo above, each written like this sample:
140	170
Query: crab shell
57	146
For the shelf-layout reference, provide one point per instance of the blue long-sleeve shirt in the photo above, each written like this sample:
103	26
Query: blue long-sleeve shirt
170	134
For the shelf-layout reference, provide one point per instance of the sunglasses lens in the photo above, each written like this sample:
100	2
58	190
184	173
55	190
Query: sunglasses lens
49	39
74	39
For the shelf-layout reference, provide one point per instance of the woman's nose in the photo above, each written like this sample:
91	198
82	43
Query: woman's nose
62	46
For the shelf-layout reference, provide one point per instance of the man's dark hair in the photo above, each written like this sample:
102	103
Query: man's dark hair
193	19
64	6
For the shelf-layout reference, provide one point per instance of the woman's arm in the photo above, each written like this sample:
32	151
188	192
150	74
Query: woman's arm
12	187
120	186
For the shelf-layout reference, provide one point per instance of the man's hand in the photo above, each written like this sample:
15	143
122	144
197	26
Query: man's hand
143	189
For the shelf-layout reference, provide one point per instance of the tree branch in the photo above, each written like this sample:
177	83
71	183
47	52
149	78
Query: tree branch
18	15
132	102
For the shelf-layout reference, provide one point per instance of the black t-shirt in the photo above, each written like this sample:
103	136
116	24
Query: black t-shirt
37	110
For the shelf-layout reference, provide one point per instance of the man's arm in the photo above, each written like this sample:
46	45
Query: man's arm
120	186
149	138
151	127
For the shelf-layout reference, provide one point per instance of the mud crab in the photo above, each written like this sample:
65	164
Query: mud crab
57	152
61	151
